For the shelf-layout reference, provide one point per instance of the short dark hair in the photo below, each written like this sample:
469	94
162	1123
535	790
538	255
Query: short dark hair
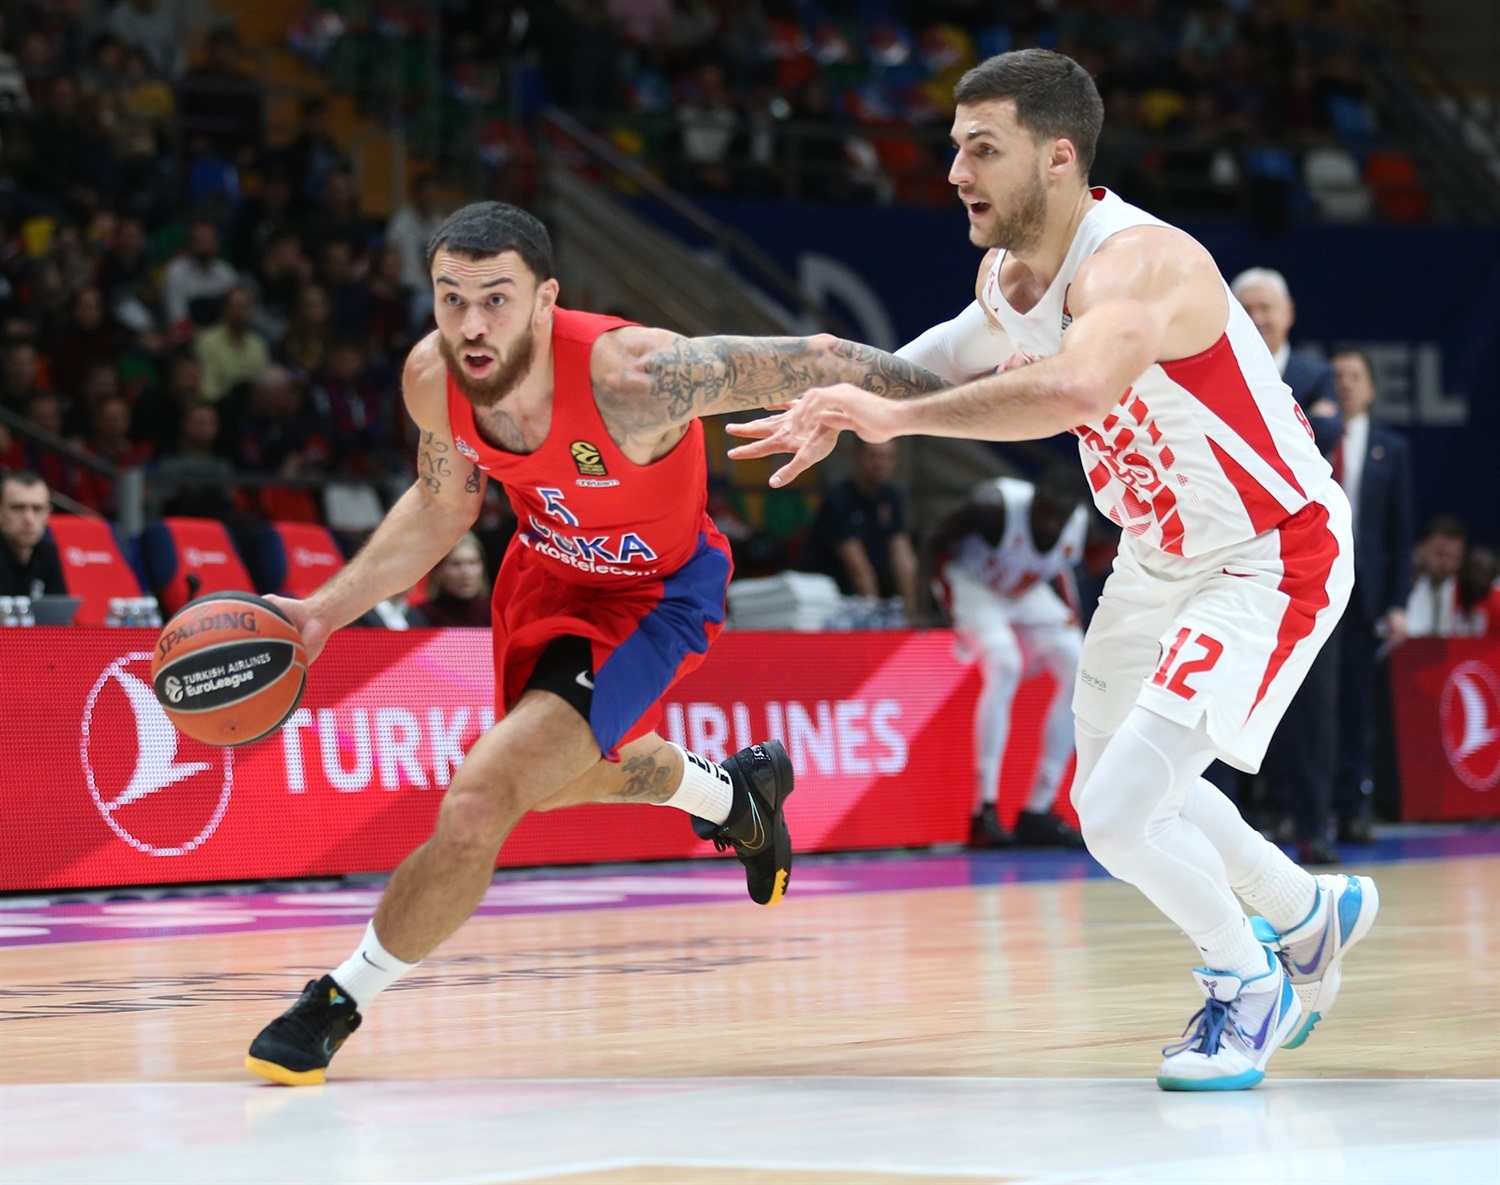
1055	97
1448	527
23	477
485	229
1355	352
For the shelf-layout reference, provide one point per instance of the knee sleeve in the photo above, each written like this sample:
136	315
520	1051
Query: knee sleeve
1136	785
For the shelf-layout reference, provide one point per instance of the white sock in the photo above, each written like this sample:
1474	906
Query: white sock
369	970
705	789
1231	946
1279	890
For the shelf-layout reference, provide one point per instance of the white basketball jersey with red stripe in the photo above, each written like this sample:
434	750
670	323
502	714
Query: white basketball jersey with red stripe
1199	453
1014	565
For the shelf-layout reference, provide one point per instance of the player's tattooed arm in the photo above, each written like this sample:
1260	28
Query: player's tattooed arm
675	379
434	466
474	483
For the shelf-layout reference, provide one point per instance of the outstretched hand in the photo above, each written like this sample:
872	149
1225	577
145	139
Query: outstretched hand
809	428
314	631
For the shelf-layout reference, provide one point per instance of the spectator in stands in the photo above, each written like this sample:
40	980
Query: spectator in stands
1433	603
1003	563
14	97
860	536
217	101
63	475
29	563
342	275
158	415
309	334
354	413
336	217
110	440
195	479
707	126
104	72
458	591
411	228
150	26
1373	464
388	305
212	178
312	157
22	363
280	269
70	162
266	213
100	383
231	351
195	282
127	283
276	434
91	338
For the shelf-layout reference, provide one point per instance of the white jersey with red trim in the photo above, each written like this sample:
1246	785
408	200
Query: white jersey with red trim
1199	453
1014	565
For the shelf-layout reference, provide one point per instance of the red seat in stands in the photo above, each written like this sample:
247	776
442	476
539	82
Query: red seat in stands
93	565
298	557
187	557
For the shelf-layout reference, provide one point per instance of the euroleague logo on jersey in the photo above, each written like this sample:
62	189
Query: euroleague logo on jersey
1469	714
588	459
161	792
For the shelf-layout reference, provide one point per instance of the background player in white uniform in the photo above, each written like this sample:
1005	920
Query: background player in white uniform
1000	560
1234	562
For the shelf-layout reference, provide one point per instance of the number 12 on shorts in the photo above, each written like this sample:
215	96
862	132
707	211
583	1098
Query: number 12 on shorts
1173	674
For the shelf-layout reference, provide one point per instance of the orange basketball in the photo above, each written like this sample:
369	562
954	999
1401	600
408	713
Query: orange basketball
229	668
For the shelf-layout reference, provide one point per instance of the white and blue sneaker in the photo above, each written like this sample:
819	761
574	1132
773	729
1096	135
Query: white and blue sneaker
1312	950
1232	1037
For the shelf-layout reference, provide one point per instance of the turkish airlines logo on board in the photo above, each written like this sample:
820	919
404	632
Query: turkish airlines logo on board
161	792
1469	714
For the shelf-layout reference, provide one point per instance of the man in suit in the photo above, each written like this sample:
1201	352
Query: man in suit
1373	464
1302	757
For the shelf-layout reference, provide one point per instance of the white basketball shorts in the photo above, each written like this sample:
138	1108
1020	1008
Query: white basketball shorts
1225	637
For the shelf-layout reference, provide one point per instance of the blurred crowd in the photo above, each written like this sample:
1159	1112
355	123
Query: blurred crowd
819	97
176	293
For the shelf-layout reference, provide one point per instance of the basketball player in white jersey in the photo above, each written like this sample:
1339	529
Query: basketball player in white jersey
1235	558
1002	563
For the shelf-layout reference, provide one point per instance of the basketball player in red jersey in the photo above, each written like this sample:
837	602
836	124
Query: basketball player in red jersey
611	591
1093	317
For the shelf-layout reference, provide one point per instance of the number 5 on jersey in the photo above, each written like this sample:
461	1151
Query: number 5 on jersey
1182	660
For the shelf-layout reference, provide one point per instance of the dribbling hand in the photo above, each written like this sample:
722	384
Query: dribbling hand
315	632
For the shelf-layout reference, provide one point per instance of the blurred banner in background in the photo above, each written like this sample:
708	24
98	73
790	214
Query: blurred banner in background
1446	695
98	788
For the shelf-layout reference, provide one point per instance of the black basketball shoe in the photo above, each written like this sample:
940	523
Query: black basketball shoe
296	1047
1043	829
986	832
756	829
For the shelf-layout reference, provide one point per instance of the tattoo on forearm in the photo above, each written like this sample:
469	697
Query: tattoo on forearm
645	780
708	375
432	463
471	483
884	374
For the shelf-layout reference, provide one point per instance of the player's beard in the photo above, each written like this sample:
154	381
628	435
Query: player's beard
1021	230
510	368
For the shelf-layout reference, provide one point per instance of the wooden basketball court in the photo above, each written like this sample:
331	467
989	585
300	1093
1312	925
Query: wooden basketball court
937	1018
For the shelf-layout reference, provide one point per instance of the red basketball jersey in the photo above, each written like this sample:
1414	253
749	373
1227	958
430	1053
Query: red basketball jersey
593	515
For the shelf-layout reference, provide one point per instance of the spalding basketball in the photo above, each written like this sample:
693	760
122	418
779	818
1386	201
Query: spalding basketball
229	668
